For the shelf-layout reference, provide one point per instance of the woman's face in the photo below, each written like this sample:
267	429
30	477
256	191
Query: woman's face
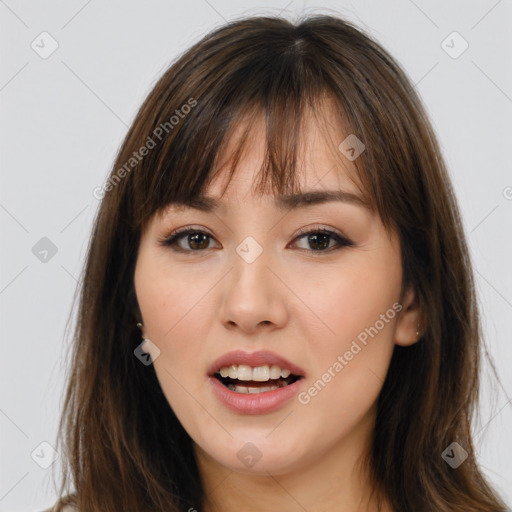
321	307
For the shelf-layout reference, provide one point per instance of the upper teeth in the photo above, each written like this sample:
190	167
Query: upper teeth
259	373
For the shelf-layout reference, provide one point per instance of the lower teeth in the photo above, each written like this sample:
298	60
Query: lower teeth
260	389
251	390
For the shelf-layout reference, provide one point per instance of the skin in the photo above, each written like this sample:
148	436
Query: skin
306	305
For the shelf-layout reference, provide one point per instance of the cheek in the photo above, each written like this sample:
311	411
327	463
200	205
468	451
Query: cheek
353	297
352	345
177	313
171	301
349	360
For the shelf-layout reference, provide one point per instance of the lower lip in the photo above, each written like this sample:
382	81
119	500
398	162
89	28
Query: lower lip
260	403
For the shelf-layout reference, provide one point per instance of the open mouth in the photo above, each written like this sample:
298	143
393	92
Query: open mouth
246	380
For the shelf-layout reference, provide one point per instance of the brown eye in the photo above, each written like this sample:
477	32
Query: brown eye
319	240
189	240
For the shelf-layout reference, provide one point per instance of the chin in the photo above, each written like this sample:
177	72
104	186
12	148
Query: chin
256	455
263	467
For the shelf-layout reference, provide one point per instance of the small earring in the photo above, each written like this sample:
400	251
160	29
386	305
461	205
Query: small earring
418	331
139	325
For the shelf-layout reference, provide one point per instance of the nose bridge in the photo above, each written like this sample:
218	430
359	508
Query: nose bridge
250	265
252	295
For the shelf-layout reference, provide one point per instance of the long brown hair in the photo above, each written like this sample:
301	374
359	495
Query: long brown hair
123	446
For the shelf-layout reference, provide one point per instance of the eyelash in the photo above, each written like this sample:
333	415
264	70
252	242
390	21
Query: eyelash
173	238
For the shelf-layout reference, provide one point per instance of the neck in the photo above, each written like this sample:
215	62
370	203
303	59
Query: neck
335	480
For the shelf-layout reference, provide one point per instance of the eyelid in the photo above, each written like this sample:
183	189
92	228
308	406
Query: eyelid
319	228
185	229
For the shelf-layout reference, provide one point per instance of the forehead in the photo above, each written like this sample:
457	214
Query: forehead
320	165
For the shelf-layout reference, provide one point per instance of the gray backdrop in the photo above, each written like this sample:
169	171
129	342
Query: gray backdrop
73	75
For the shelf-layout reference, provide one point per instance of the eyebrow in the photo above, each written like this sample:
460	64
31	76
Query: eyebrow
291	201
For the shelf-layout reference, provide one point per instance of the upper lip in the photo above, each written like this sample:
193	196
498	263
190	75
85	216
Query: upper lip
253	359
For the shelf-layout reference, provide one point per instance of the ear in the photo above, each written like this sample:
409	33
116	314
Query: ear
407	323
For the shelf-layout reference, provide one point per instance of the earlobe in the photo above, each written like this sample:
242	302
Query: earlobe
408	328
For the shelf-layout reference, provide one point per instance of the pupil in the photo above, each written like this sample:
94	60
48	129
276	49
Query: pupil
194	240
315	238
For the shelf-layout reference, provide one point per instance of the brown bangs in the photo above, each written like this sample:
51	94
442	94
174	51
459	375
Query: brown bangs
282	79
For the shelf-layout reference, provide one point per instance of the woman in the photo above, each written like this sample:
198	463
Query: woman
277	309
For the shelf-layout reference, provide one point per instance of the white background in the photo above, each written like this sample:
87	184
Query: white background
64	117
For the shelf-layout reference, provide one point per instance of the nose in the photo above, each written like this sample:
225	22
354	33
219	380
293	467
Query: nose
253	297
